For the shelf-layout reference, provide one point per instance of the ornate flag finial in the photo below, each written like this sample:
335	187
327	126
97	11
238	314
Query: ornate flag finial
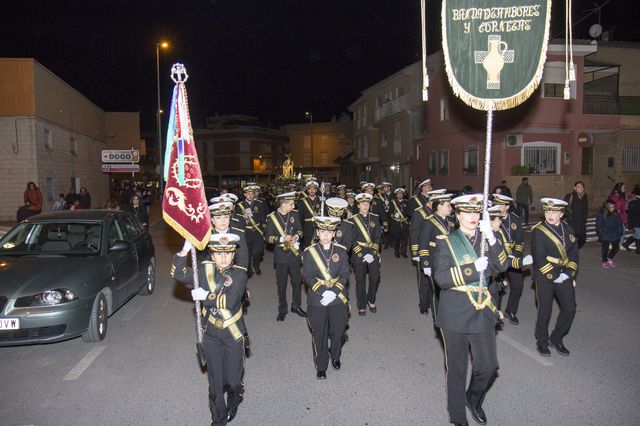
179	73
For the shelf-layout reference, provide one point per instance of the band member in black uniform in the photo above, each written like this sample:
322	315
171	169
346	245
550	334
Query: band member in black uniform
237	220
341	191
421	198
326	271
436	224
555	258
365	256
222	286
337	207
511	229
309	207
284	231
254	213
466	312
221	216
399	230
353	206
377	206
384	197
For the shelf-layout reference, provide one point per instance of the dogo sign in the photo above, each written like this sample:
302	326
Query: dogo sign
120	156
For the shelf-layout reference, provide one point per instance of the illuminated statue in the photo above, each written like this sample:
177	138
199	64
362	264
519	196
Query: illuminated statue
287	168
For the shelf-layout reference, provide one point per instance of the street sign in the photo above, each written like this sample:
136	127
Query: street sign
120	168
585	139
120	155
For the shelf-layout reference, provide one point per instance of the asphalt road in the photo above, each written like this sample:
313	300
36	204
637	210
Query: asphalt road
145	372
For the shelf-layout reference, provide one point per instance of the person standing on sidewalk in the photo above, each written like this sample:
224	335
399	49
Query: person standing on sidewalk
578	211
555	260
610	229
524	198
634	219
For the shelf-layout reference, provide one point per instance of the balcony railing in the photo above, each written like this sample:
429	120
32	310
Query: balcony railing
611	105
391	107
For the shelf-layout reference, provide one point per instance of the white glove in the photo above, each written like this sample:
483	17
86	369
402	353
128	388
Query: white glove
427	271
186	248
415	259
368	258
481	263
487	231
296	245
199	294
527	260
281	239
327	297
561	278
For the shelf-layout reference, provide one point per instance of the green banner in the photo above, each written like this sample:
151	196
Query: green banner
495	50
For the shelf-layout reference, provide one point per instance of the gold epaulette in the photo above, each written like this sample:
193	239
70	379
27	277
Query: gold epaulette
374	214
536	225
237	229
441	237
340	245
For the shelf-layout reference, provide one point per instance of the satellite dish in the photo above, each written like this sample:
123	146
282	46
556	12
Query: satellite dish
595	30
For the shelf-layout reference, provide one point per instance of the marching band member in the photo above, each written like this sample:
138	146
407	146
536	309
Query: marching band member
399	231
284	231
309	207
421	198
222	285
377	206
555	256
254	213
365	256
353	206
326	271
466	312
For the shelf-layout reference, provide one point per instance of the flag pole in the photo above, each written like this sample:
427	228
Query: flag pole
485	191
199	328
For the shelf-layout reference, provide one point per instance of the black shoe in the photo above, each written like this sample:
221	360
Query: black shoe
513	319
231	414
559	346
335	363
362	312
299	311
543	349
281	317
500	323
477	413
249	274
258	271
397	255
405	256
321	375
373	309
424	310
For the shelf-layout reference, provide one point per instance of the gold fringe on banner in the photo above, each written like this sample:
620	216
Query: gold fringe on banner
498	103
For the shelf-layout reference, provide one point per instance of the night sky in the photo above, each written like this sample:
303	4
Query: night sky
271	58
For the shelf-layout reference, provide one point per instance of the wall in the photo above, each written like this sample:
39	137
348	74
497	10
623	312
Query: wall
16	87
123	130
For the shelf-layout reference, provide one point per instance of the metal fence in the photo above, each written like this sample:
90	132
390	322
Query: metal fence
631	159
541	159
611	105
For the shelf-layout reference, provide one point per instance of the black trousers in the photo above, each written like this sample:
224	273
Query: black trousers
399	236
361	270
582	239
327	323
565	293
225	367
425	289
484	361
255	245
609	253
283	270
516	284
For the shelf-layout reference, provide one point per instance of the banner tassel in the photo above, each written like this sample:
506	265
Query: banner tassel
425	75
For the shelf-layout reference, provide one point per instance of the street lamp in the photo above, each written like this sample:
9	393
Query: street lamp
309	116
162	45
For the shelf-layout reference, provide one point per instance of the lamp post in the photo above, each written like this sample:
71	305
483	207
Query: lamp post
163	45
309	116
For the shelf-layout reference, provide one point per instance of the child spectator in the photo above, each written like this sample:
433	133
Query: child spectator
610	229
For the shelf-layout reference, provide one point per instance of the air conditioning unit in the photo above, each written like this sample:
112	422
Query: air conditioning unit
512	140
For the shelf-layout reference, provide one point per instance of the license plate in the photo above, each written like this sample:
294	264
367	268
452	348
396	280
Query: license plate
9	323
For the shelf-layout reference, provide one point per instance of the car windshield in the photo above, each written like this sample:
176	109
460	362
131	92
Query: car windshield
53	238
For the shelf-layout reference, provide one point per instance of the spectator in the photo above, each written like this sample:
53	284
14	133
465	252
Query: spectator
634	219
71	197
85	198
147	200
578	211
112	204
524	198
126	195
505	188
32	198
619	198
138	210
60	204
77	205
610	229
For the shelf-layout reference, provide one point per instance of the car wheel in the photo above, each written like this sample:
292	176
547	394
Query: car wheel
150	283
97	329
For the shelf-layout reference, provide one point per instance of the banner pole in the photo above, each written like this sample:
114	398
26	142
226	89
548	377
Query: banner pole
199	330
485	191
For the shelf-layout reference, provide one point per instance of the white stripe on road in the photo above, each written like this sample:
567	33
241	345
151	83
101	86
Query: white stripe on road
528	352
84	363
129	316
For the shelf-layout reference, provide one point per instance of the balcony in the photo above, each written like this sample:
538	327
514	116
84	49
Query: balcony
392	107
611	105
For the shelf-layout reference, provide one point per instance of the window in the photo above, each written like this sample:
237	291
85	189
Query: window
444	108
364	115
324	141
324	158
115	233
307	142
553	90
631	159
400	91
470	160
587	160
365	147
431	163
307	159
418	148
73	145
47	138
397	146
133	227
541	157
384	142
50	194
444	162
553	78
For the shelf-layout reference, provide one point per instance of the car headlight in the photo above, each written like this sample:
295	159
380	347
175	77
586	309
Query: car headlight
47	298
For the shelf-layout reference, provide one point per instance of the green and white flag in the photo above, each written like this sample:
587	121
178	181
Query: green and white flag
495	50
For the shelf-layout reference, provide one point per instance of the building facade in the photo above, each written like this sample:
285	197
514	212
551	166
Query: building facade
553	141
235	149
387	119
317	148
52	135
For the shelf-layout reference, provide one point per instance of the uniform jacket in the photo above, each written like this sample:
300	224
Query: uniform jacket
290	225
318	281
398	212
242	253
226	289
363	227
417	201
513	237
378	208
552	256
418	219
455	311
344	235
431	228
257	222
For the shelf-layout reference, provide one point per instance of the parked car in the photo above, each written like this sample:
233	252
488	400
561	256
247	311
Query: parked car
62	274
